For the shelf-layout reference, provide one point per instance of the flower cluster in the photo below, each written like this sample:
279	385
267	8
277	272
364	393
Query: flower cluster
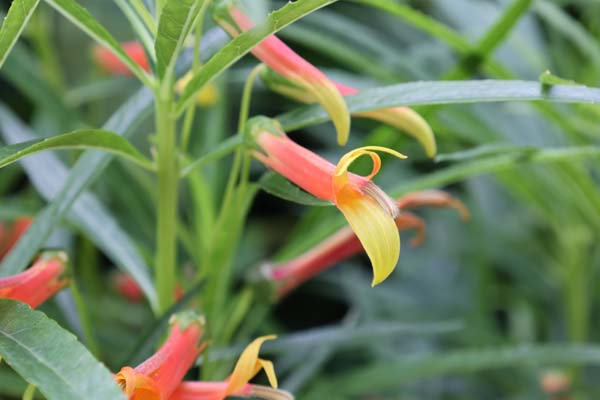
42	280
160	377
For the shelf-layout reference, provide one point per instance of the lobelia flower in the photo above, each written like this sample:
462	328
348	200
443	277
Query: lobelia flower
402	118
370	212
343	244
158	377
10	234
278	56
246	368
38	283
113	66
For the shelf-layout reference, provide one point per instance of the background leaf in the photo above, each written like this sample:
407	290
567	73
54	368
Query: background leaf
50	357
18	15
82	139
277	185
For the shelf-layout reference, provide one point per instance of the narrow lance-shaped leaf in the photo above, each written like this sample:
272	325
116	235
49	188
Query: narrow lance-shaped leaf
51	358
174	25
18	15
243	43
86	22
459	92
82	139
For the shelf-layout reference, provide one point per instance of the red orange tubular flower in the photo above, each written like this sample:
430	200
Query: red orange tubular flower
344	244
246	368
158	377
278	56
10	234
111	64
38	283
369	211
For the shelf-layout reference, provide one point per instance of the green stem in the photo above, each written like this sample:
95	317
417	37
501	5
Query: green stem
168	179
29	392
86	324
247	95
144	14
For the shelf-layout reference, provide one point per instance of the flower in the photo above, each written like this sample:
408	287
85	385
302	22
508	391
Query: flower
112	65
38	283
158	377
344	243
277	55
246	368
370	212
402	118
9	235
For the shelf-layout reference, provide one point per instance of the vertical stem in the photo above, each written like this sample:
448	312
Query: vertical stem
29	392
166	235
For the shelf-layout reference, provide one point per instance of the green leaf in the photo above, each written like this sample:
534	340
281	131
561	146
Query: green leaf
547	78
81	139
87	23
515	158
392	374
277	185
243	43
61	188
176	21
18	15
51	358
438	92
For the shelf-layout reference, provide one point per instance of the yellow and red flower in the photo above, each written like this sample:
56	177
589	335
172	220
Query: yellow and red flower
344	243
38	283
246	368
158	377
278	56
370	212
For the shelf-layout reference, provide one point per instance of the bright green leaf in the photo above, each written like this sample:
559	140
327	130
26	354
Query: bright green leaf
18	15
82	139
437	92
175	22
51	358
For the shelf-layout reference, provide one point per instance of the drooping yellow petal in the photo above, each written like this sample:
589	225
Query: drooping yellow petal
333	102
248	365
408	121
267	366
377	232
369	211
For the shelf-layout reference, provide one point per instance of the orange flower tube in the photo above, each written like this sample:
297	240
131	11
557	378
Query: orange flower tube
112	65
344	244
10	235
38	283
158	377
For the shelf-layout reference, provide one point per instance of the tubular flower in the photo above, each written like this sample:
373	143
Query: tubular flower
369	211
277	55
344	243
402	118
158	377
113	66
40	282
246	368
10	234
